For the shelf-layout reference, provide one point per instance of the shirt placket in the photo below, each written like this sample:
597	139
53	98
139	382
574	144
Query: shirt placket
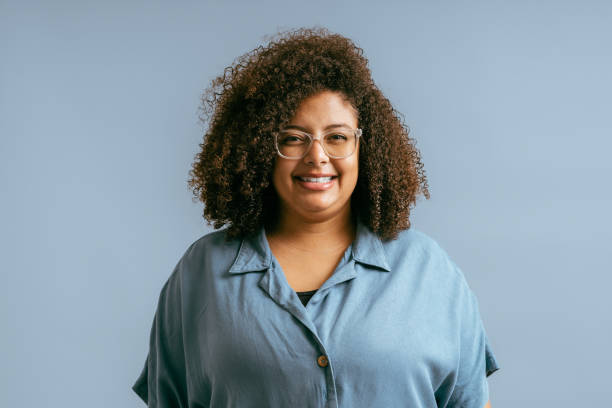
275	284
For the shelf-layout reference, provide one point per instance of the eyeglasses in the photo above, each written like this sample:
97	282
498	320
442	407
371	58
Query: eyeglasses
337	144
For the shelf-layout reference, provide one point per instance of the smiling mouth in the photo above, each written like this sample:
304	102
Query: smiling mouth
316	179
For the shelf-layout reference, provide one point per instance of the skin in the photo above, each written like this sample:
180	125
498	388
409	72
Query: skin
315	226
302	205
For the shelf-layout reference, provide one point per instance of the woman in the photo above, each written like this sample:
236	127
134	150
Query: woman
318	293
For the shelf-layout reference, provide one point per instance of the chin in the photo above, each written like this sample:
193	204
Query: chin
319	211
316	206
315	211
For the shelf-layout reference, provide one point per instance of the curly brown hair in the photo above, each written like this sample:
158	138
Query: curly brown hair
258	93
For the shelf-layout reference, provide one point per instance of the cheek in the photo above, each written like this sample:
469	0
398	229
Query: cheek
281	175
353	168
350	173
276	177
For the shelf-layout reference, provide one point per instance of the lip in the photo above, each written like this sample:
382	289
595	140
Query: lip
313	175
312	186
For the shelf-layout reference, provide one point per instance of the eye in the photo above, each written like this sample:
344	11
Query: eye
291	139
336	138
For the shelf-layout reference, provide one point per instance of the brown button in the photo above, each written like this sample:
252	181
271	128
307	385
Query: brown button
322	360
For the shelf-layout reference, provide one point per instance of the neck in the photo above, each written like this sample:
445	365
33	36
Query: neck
316	235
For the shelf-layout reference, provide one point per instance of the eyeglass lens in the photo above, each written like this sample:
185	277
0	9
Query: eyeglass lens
337	144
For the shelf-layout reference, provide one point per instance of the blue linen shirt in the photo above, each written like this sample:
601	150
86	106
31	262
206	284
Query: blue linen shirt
396	325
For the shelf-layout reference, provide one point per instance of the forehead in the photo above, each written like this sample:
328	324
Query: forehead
323	110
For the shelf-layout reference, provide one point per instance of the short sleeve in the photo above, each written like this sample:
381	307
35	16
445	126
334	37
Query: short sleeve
490	361
162	382
476	358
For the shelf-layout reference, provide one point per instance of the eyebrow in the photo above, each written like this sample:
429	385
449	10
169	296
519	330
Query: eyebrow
335	125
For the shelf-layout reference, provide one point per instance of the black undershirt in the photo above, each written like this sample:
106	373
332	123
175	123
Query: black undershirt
305	296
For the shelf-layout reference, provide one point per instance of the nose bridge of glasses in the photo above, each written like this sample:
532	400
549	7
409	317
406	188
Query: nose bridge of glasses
310	146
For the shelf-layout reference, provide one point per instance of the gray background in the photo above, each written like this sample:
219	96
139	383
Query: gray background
510	103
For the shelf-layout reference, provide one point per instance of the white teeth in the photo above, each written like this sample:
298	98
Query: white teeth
316	179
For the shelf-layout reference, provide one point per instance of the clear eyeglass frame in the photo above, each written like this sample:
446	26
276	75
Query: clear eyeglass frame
358	132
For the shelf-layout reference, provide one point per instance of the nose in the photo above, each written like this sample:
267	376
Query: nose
316	154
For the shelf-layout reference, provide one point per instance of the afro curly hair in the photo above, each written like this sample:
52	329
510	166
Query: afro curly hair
261	91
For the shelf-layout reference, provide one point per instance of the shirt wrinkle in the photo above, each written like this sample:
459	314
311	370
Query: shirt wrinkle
408	337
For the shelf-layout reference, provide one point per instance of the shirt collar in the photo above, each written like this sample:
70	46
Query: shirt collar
255	254
368	250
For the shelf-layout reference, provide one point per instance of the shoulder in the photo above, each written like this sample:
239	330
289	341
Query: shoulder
414	240
193	279
423	255
415	244
214	243
209	254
